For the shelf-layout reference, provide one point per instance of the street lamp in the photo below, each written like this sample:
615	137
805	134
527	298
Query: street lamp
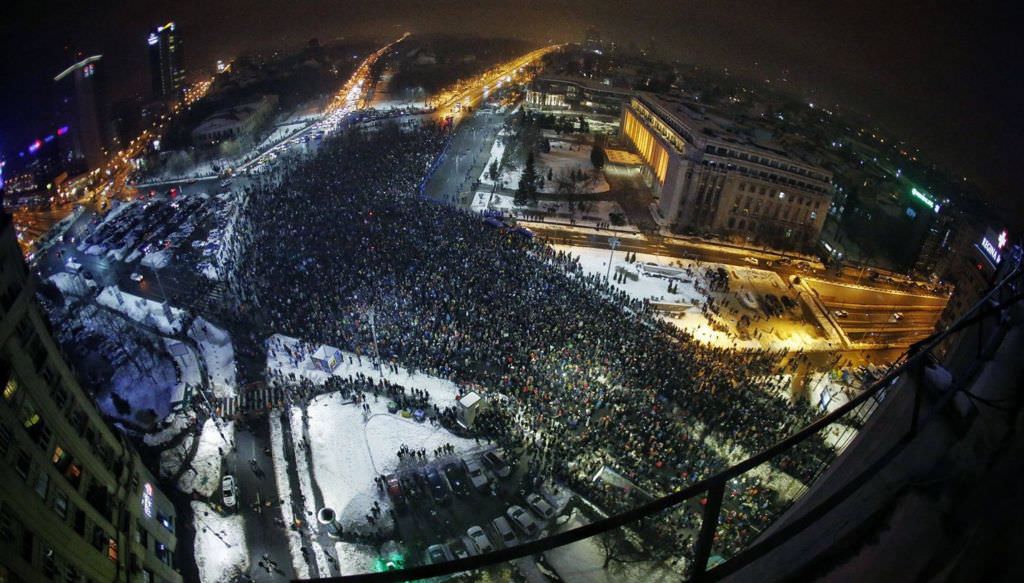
613	242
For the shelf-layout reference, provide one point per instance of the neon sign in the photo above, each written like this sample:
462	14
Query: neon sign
153	39
990	250
923	197
147	500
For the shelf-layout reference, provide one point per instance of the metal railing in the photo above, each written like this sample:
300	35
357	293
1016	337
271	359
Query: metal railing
1008	290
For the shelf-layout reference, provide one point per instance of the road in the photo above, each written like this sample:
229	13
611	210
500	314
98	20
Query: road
454	101
351	97
102	185
468	153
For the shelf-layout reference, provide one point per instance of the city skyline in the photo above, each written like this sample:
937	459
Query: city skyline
876	58
630	290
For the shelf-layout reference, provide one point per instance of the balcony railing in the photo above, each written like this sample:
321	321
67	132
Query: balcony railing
710	492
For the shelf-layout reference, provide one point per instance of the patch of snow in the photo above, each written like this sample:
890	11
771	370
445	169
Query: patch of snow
157	260
189	375
306	483
284	491
350	448
288	355
203	476
219	354
355	559
176	423
221	552
141	310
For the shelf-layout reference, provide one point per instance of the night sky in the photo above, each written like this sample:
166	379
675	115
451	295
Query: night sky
944	75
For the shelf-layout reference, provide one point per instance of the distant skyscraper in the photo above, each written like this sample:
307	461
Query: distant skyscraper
166	60
82	115
592	39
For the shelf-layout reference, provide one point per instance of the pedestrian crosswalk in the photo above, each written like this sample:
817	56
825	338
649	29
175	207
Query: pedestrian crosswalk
212	298
252	400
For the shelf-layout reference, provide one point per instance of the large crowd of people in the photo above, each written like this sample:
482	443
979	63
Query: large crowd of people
340	250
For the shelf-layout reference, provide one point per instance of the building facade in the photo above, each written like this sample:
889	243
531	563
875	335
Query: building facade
239	122
575	94
166	61
76	502
712	176
83	114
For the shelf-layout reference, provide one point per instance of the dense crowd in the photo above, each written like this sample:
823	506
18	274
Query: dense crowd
595	378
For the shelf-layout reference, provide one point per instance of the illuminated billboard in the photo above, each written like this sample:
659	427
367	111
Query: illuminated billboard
991	246
926	198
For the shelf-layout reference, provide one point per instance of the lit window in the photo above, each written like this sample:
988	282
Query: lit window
112	549
10	389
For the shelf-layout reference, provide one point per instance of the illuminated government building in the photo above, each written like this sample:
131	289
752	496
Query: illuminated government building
76	502
712	176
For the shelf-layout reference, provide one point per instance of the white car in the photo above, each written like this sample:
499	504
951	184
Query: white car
540	506
522	519
229	492
480	540
136	277
751	260
476	474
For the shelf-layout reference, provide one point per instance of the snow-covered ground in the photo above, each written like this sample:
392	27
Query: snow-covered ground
289	355
176	423
189	375
564	158
221	552
654	272
203	477
141	309
355	559
69	284
174	458
306	482
157	259
218	353
284	491
350	448
553	211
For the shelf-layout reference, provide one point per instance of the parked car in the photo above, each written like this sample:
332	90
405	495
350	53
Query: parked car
522	519
409	486
136	277
505	533
841	313
480	540
540	506
437	554
498	465
394	490
457	478
476	475
438	487
458	548
229	491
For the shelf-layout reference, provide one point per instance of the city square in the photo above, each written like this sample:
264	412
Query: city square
437	306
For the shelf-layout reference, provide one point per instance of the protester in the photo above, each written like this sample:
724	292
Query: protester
596	378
